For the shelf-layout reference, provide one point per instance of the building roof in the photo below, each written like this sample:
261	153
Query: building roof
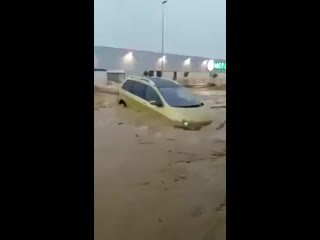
146	51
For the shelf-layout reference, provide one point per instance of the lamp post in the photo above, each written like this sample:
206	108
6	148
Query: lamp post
162	59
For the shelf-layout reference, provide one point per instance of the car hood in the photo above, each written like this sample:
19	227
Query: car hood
194	114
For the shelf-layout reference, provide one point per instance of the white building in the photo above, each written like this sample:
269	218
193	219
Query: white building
136	62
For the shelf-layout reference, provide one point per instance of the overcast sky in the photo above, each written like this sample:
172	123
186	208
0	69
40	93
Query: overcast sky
195	28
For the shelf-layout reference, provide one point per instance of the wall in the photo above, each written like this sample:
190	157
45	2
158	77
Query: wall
197	78
113	58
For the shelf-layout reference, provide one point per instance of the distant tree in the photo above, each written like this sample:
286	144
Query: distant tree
215	75
185	80
174	76
145	73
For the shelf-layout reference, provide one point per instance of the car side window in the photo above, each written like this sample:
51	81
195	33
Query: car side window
152	95
127	85
139	89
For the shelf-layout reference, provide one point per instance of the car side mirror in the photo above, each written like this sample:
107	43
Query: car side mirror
154	103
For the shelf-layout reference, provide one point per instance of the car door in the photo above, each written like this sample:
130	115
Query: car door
152	95
126	94
138	91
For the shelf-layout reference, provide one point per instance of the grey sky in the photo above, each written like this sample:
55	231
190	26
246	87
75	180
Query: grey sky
191	27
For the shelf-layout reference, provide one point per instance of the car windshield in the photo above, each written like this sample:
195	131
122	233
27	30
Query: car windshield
179	97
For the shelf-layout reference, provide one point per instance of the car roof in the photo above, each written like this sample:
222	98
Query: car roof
162	82
155	81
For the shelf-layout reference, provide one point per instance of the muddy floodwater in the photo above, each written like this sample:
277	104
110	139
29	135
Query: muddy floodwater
156	182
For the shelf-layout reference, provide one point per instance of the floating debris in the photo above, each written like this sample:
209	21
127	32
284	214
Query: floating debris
219	154
219	106
221	206
221	125
146	142
145	183
185	153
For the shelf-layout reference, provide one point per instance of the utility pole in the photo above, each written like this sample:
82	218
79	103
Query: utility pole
162	42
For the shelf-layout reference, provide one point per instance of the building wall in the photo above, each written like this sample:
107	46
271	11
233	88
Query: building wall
197	78
114	58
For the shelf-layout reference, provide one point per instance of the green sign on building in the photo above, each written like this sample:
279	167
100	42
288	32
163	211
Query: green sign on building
220	66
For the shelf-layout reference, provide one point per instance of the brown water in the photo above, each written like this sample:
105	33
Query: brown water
156	182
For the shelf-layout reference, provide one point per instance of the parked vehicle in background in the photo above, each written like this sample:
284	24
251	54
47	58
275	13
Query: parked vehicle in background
164	98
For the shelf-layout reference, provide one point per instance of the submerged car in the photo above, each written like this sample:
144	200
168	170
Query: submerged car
166	98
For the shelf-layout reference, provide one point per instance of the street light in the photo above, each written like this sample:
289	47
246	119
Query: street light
187	61
162	59
210	65
163	3
128	57
204	63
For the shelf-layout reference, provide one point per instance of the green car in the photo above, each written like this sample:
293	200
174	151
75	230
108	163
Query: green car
164	98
